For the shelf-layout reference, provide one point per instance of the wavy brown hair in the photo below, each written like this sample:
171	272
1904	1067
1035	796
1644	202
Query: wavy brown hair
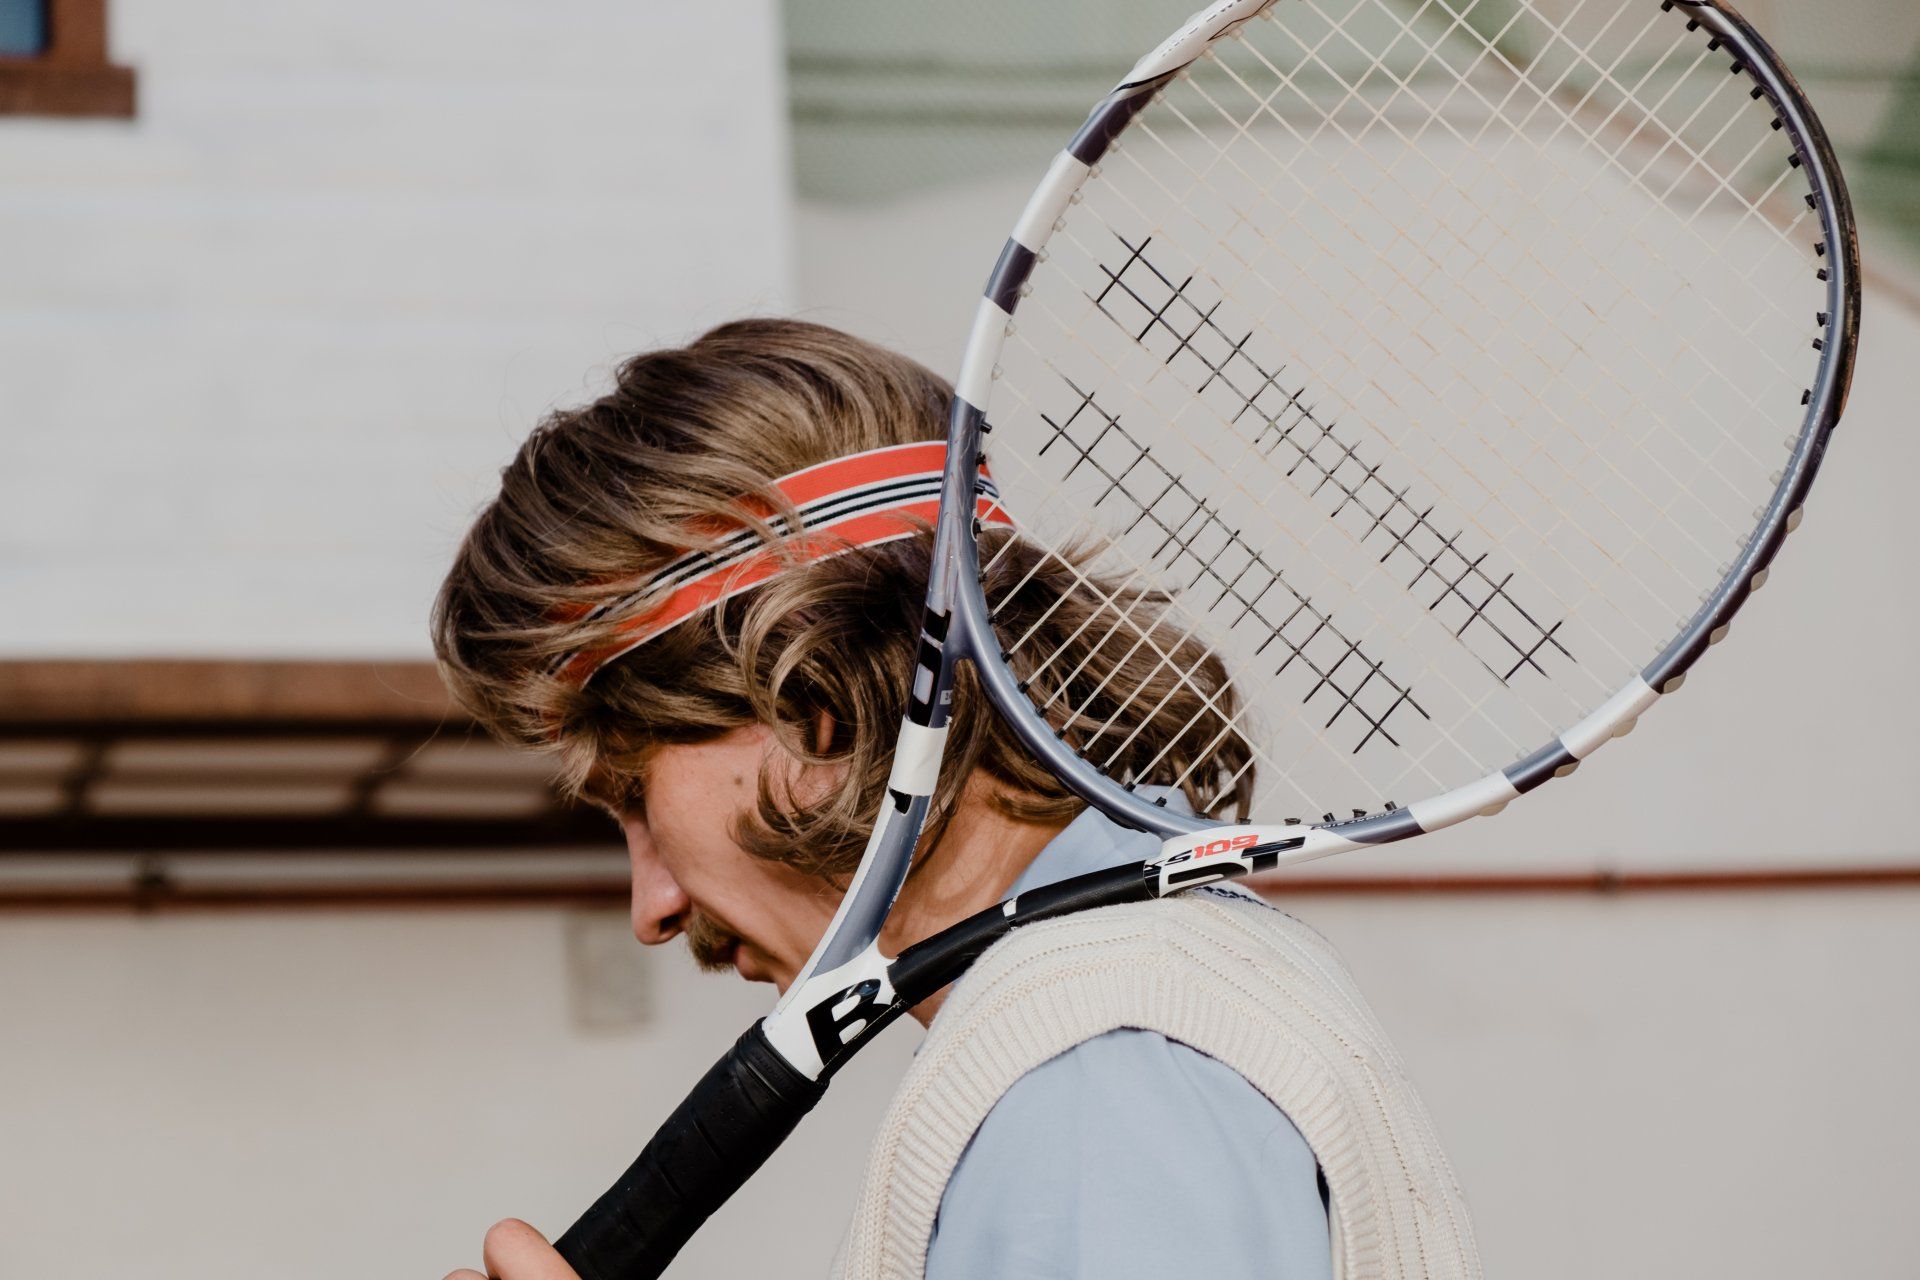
599	498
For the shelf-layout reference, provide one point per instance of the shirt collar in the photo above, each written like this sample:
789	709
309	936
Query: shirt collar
1094	842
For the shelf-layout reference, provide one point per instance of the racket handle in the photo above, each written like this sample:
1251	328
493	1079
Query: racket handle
742	1109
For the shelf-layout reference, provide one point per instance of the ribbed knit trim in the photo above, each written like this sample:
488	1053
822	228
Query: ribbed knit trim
1237	981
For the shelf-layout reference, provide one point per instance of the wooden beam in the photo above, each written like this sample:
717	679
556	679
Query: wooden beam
31	87
154	890
342	832
132	693
150	895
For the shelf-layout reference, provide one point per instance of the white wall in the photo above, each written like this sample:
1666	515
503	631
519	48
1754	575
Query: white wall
263	349
1653	1087
330	1095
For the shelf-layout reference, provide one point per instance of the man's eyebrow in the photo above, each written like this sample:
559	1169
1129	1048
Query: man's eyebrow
595	792
613	792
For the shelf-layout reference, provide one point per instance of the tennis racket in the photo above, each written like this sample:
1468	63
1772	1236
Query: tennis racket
1451	371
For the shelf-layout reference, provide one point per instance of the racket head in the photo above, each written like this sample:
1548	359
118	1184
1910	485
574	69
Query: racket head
1234	423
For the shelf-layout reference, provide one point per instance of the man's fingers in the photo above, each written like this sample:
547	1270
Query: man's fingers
515	1251
465	1273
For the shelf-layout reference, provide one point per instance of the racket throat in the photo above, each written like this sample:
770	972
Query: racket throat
1227	853
823	1020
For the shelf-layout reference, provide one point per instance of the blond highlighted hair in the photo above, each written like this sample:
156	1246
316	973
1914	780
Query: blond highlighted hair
600	498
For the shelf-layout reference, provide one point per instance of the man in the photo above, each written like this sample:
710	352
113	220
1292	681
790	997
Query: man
643	601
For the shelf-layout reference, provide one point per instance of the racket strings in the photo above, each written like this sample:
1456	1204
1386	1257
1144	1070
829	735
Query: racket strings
1117	609
1329	669
1348	697
1675	136
1722	176
1325	473
1188	734
1443	546
1183	526
1320	668
1384	301
1484	396
1150	511
1165	646
1763	209
1731	382
1290	438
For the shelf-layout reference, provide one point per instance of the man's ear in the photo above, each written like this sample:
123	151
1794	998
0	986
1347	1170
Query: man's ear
806	784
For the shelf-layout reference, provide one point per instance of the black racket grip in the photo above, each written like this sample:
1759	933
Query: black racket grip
739	1113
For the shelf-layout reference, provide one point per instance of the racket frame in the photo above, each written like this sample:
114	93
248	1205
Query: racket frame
828	1009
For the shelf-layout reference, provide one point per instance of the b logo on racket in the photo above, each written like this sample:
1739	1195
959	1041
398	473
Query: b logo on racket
838	1022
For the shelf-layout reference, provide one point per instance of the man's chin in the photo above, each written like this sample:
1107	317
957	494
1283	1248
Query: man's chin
737	958
752	966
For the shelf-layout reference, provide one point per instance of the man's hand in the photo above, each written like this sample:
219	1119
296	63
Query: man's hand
515	1251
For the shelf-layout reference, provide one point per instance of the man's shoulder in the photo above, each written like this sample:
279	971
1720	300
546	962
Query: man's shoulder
1129	1074
1132	1090
1101	1145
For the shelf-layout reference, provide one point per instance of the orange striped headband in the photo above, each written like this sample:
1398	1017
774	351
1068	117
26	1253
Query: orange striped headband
843	505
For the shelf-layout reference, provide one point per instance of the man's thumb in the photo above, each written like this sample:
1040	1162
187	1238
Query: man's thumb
515	1251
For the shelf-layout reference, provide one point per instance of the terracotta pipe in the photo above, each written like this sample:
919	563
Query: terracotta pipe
155	891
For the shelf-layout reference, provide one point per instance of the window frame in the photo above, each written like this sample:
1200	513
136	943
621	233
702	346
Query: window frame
72	76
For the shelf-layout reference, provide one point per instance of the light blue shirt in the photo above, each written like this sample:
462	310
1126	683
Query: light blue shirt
1130	1155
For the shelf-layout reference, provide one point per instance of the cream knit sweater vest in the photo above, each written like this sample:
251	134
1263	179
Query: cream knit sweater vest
1233	978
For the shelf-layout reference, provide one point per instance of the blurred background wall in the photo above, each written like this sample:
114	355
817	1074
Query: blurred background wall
283	993
268	339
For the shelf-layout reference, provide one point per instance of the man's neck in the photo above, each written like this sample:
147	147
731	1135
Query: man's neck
980	855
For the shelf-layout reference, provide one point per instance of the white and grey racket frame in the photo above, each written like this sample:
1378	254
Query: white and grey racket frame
849	990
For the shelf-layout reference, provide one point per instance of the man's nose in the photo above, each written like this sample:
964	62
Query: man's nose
660	905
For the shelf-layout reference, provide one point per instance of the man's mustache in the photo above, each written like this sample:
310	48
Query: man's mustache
710	944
